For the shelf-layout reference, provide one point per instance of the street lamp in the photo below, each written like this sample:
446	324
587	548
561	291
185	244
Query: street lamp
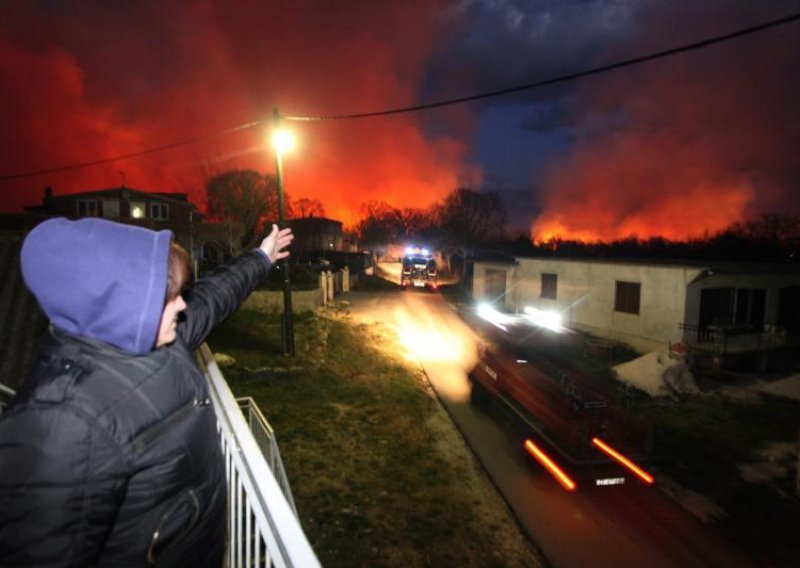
283	141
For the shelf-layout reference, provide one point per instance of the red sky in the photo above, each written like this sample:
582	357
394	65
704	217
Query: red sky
682	146
105	81
675	148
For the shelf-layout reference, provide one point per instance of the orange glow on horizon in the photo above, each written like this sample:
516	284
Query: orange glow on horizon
343	164
666	217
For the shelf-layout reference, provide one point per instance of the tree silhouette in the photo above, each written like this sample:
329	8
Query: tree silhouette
468	218
305	207
241	200
380	224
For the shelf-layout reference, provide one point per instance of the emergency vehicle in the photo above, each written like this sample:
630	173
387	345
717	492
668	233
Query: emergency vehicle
571	422
419	269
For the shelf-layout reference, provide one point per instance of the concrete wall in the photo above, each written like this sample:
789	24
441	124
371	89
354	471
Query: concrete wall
330	284
585	297
271	301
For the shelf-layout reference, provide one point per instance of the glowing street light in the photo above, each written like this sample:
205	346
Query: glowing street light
283	141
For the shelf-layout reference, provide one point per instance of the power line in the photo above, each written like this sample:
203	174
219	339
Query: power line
569	77
131	155
437	104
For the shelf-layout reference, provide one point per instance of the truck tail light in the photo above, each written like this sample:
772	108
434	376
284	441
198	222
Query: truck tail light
550	466
640	473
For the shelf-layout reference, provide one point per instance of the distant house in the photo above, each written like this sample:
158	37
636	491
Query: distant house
156	211
316	234
652	304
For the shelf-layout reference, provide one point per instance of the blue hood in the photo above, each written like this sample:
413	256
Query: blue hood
99	279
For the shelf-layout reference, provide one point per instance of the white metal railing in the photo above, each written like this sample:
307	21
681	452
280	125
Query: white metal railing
264	436
262	527
5	395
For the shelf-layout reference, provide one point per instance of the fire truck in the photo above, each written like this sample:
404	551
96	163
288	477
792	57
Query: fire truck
419	269
570	422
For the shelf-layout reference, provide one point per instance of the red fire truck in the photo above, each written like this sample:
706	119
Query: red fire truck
419	269
573	425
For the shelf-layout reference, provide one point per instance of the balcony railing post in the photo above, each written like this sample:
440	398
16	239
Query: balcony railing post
252	486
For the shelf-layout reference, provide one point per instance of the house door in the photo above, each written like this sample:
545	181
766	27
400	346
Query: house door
495	287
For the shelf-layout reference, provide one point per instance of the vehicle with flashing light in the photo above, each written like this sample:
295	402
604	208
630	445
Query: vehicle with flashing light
571	422
419	269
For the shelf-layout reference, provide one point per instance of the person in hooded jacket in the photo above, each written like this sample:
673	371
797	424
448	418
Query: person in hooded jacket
109	452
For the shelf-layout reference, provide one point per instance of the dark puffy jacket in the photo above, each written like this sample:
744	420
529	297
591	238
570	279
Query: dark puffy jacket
112	458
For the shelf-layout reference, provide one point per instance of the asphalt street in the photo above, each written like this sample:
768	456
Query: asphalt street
628	526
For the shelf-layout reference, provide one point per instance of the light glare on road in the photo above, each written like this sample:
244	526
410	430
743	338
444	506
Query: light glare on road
423	340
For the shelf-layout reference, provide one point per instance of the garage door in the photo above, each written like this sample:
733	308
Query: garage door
495	287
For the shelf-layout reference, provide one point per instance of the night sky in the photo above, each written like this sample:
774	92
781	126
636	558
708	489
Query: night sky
676	147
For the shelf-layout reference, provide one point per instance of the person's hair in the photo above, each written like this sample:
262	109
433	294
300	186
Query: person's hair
178	270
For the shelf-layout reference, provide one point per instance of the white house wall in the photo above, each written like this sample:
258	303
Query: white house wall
585	296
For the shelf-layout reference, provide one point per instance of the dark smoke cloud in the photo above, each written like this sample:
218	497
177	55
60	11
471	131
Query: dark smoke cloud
677	147
88	80
684	146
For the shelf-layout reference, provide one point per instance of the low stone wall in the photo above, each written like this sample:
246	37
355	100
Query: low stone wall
330	284
269	301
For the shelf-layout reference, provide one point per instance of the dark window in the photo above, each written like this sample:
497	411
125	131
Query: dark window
789	308
110	208
716	306
750	306
627	297
549	286
87	207
159	211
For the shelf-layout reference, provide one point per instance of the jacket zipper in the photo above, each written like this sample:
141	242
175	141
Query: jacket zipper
151	558
153	432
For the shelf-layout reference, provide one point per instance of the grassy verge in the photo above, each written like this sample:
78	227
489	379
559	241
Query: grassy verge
361	438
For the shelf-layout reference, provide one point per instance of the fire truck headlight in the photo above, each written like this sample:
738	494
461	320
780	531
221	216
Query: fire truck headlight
490	314
548	319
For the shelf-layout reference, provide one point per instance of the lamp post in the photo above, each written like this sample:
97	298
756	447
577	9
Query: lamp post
282	142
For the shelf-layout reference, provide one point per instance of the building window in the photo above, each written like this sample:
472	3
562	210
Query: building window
110	208
627	297
159	211
137	209
86	207
549	286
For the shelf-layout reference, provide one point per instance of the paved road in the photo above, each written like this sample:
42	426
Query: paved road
634	526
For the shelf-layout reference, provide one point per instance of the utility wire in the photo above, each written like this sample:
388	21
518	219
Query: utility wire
437	104
569	77
132	155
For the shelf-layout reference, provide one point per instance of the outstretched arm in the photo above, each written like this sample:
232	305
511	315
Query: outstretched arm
274	245
215	297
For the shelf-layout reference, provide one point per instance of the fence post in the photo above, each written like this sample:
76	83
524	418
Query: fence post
345	279
323	285
329	277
